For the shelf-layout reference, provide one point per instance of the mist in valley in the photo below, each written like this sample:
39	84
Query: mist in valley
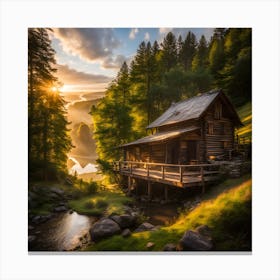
82	158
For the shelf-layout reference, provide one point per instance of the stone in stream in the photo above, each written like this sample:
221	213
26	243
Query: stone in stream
60	209
104	228
193	241
57	191
124	221
204	230
31	238
145	227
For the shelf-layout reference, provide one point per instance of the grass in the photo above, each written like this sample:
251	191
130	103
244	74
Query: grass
245	114
104	202
227	214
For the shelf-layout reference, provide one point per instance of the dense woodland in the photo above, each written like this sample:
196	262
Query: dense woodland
48	139
160	74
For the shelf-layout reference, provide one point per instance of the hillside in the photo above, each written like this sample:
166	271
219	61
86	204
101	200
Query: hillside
245	114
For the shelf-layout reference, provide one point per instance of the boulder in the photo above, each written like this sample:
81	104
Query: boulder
60	209
31	238
57	191
204	230
145	227
36	219
124	221
104	228
150	245
169	247
126	232
193	241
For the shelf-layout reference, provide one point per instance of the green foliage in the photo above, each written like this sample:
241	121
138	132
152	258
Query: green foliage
103	202
48	139
228	214
160	75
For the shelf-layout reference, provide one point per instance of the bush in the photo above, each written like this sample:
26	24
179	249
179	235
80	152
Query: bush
92	188
101	203
89	204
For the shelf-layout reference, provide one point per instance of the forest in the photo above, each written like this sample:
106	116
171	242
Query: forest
160	74
64	211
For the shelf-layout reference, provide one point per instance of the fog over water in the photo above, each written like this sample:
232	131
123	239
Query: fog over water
82	158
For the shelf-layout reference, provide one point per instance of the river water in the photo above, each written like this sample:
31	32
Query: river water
65	232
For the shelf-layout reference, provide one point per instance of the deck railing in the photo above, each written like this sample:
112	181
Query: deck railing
164	171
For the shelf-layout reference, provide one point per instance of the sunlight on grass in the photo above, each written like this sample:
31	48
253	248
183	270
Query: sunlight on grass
98	204
228	214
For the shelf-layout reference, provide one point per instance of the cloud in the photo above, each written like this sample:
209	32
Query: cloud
133	33
147	36
164	30
91	44
114	62
70	76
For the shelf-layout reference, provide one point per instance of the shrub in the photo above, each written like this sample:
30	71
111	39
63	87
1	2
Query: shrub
89	204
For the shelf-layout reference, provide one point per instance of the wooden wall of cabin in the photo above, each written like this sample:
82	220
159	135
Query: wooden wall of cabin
218	131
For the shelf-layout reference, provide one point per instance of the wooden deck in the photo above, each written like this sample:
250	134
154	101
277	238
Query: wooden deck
170	174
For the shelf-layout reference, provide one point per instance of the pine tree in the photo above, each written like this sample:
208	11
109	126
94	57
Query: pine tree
48	140
169	56
200	59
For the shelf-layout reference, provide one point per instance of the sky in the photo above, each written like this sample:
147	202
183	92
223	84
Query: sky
88	59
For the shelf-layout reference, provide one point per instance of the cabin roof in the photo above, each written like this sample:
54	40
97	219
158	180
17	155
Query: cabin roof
191	108
161	136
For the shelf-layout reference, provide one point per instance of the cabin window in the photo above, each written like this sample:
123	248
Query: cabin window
218	111
210	128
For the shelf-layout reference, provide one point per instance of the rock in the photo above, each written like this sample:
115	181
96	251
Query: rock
126	232
57	191
30	227
204	230
31	238
71	212
150	245
169	247
104	228
60	209
145	227
36	219
193	241
124	221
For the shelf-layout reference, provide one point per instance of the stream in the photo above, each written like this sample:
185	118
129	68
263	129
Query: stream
68	232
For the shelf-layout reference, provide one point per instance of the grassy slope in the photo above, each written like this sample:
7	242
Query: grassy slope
103	201
228	215
245	114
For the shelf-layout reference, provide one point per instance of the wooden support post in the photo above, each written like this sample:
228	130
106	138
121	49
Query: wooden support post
162	171
149	190
202	179
130	168
148	170
129	184
181	174
166	192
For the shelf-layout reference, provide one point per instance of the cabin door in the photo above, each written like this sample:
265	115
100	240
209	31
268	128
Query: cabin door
172	152
192	151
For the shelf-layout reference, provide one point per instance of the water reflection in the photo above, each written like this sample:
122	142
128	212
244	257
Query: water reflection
62	233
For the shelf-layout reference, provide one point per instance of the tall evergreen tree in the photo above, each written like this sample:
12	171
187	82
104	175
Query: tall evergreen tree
169	56
48	140
187	52
200	59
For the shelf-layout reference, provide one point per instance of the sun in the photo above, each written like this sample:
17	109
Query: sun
54	89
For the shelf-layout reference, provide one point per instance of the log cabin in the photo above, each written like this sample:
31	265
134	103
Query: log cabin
191	132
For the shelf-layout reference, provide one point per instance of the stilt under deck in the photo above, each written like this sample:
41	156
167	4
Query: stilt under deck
170	174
